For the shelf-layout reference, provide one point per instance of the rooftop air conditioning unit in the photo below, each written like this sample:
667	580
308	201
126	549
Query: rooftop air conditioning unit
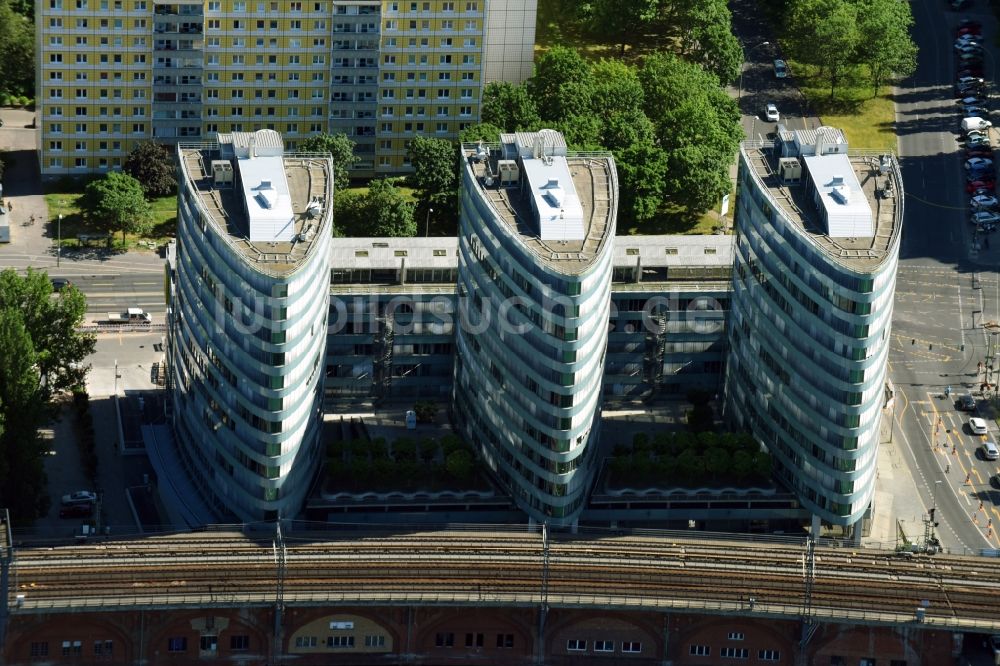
509	172
790	169
222	173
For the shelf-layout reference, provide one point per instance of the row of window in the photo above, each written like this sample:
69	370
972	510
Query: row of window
208	643
472	640
734	652
339	641
580	645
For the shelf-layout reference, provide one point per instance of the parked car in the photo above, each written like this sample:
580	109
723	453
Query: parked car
79	497
771	113
970	69
77	511
965	402
966	80
975	110
963	90
970	23
977	426
982	174
985	218
978	152
780	69
978	163
981	192
971	47
976	30
983	202
958	5
987	184
981	142
972	100
975	123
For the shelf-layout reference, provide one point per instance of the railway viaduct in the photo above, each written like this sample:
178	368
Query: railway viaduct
488	597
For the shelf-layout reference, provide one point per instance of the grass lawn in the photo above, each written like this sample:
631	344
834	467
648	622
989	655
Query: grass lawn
63	198
868	122
408	192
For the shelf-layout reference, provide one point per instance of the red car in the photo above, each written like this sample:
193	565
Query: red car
978	152
76	511
980	185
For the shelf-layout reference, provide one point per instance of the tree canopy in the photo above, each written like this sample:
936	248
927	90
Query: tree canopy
341	149
117	202
41	354
510	106
435	176
381	211
843	36
152	164
17	44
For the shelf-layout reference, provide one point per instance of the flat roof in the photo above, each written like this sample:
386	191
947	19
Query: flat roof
308	179
845	206
882	192
593	179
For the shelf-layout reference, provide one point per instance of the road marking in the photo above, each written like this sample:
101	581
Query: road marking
101	284
961	323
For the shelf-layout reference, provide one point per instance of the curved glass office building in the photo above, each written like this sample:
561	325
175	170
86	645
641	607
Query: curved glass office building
248	321
537	225
817	241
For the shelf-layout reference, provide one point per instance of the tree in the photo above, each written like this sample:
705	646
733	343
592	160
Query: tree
556	68
381	211
52	325
117	202
509	107
459	464
697	126
718	49
341	149
40	355
837	38
152	164
620	21
17	35
581	131
435	176
616	88
482	132
642	174
885	45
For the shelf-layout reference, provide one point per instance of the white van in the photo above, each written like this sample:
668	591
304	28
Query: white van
975	123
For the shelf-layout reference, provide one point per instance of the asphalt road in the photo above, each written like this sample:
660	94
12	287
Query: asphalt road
115	292
942	294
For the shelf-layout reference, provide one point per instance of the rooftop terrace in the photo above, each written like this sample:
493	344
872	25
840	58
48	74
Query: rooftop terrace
309	180
884	193
596	185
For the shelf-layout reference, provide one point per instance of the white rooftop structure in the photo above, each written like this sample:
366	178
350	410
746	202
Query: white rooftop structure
554	198
839	197
260	163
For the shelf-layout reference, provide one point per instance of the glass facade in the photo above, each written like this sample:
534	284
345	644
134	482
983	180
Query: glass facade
247	345
808	331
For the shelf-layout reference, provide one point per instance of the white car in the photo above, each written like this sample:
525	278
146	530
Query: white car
79	497
978	163
975	122
978	426
771	113
985	219
983	202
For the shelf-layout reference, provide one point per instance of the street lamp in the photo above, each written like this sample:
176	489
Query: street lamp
427	223
746	58
59	240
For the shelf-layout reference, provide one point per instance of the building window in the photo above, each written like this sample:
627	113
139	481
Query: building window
576	645
177	644
866	662
734	653
736	636
375	641
340	641
104	648
700	651
505	640
209	643
305	641
441	639
604	646
774	655
474	640
632	647
239	642
72	648
40	649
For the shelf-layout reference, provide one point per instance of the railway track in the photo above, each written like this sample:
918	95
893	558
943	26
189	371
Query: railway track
509	568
